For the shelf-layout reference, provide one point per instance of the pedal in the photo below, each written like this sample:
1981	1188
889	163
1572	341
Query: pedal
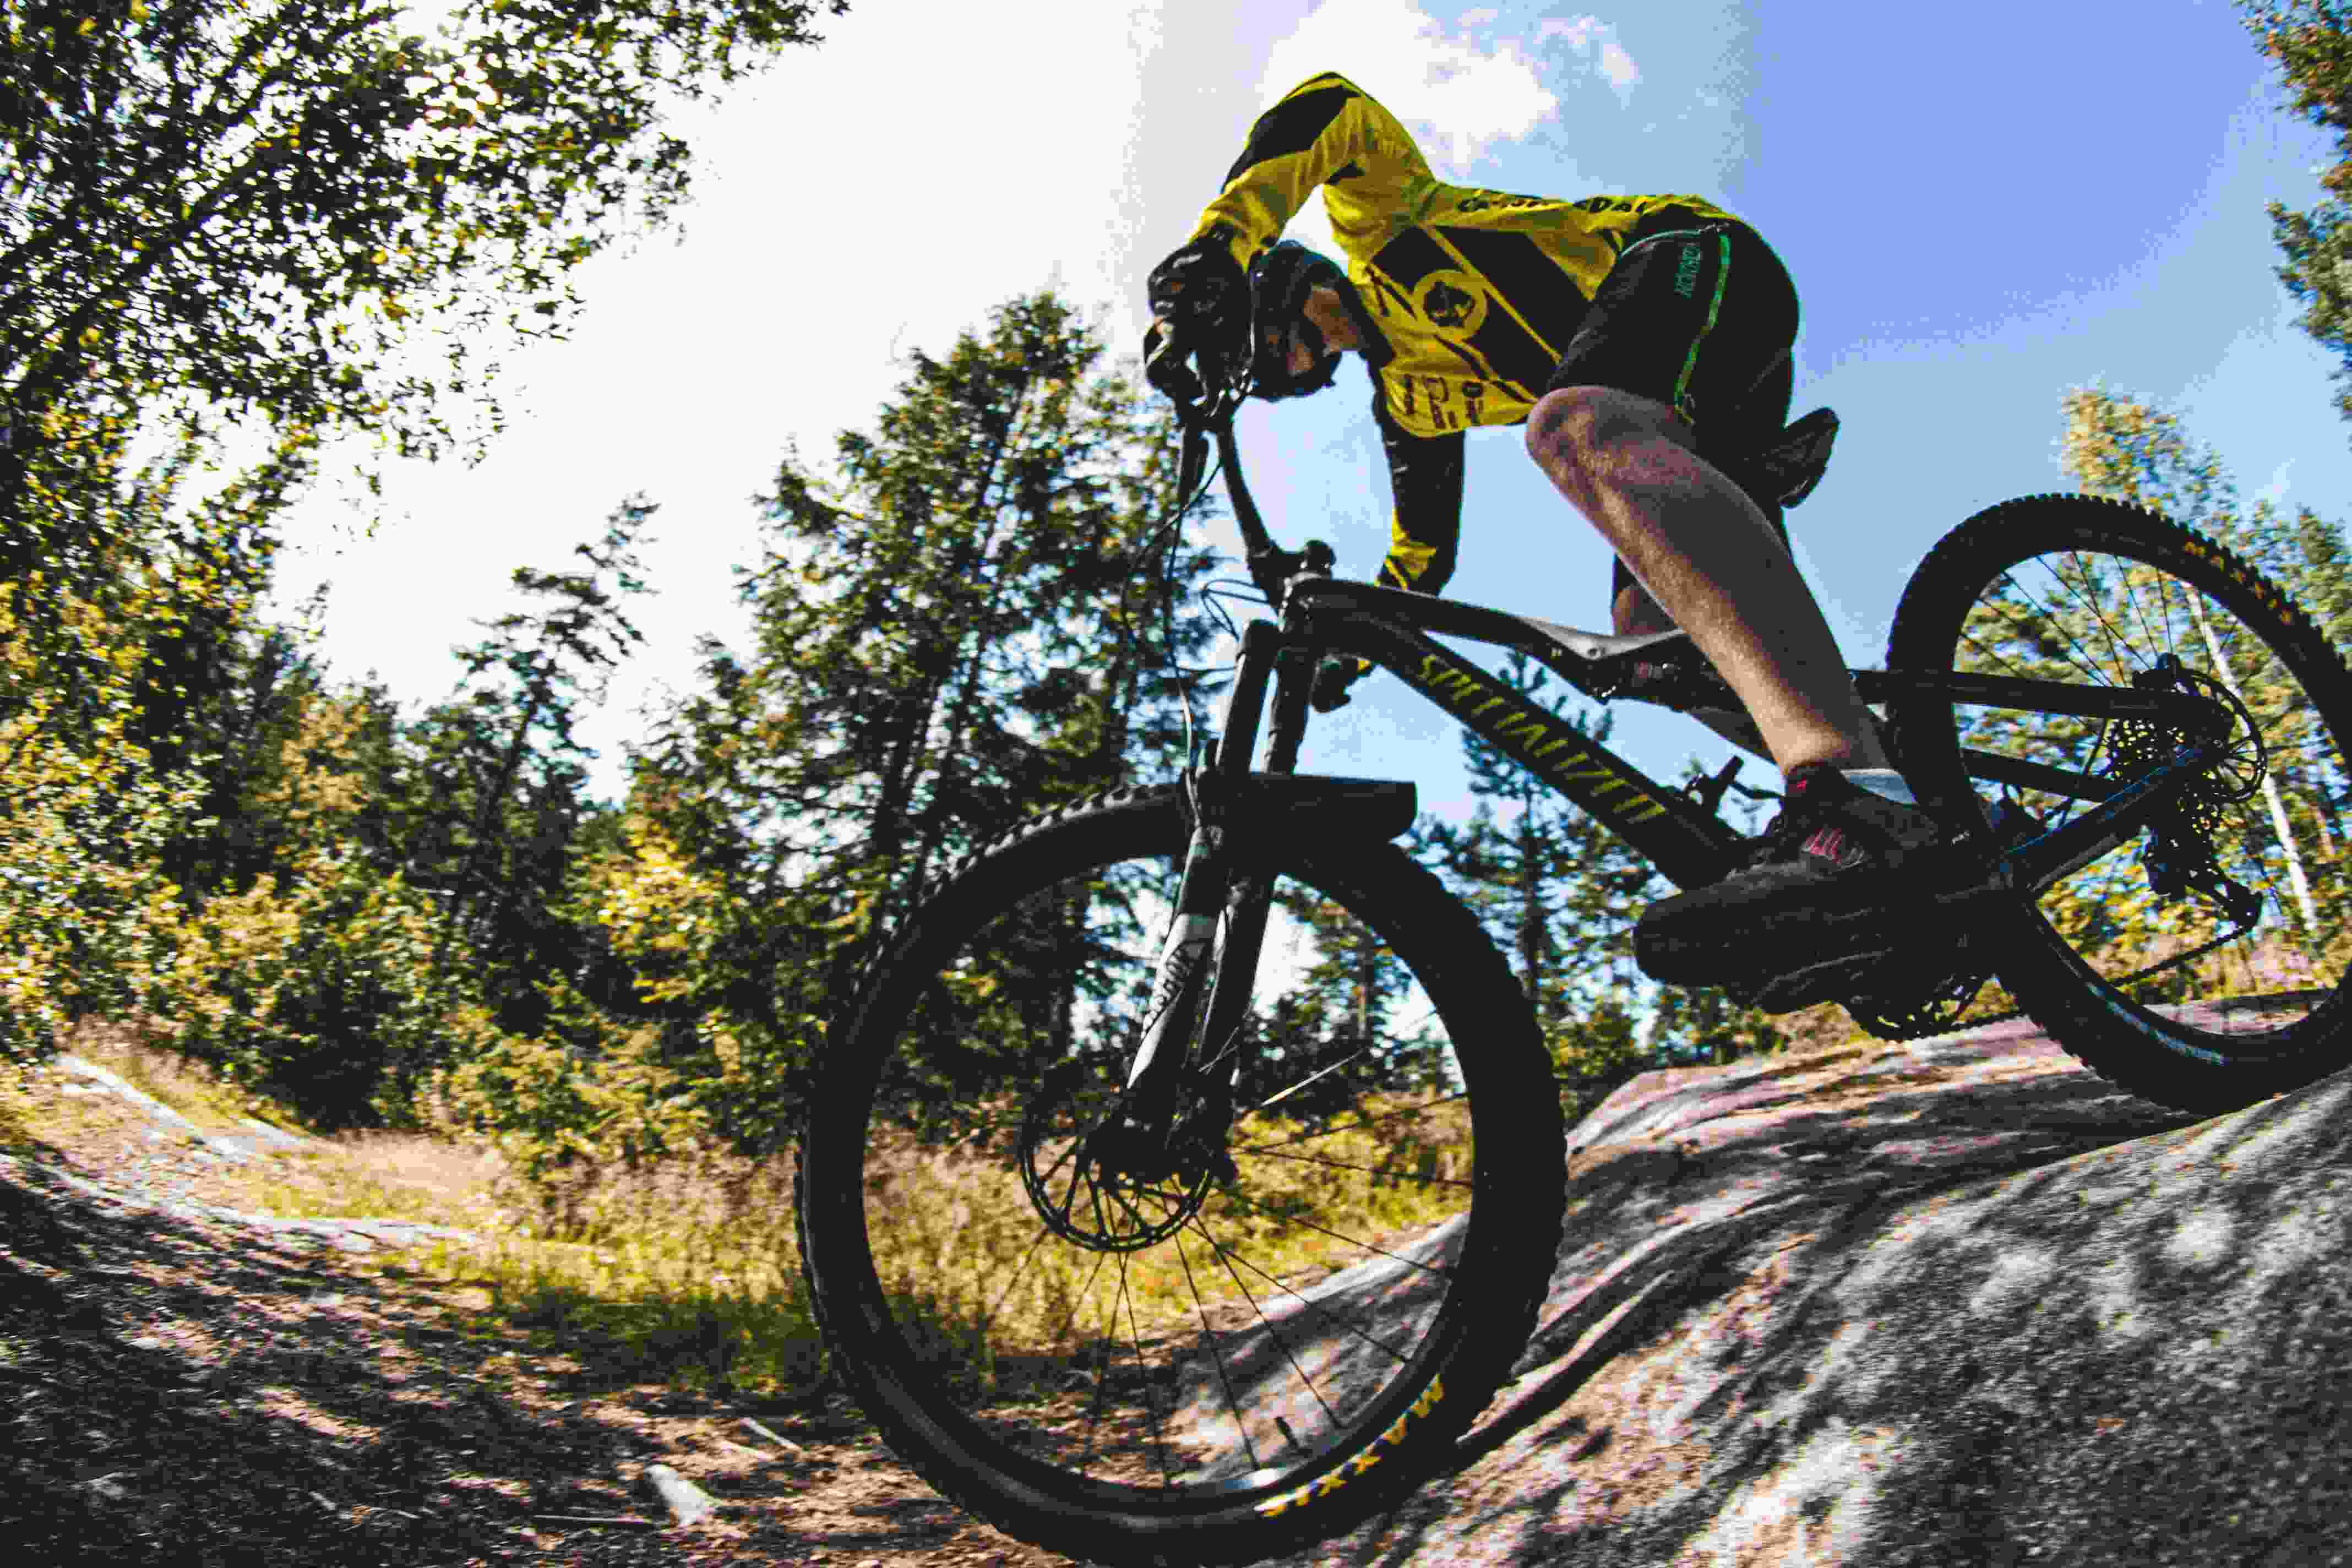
1874	977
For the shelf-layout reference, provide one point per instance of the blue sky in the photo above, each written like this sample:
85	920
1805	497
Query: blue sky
1982	207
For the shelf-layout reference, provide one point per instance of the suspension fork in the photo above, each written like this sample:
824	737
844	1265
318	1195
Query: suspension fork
1193	956
1249	899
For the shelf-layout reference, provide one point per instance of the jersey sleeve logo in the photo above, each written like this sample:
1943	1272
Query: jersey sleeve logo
1452	302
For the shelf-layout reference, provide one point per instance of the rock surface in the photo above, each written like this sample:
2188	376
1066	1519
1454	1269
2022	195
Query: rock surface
180	1143
1959	1302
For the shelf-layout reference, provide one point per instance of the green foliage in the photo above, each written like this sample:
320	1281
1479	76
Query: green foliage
493	835
550	1104
236	205
217	216
314	984
970	620
2312	42
1597	1053
214	211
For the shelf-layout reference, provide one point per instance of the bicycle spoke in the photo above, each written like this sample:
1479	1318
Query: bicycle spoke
1216	1352
1126	1358
1367	1170
1229	1259
2155	915
1350	1241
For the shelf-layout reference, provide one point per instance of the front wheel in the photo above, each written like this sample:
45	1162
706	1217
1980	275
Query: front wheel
2200	963
1275	1331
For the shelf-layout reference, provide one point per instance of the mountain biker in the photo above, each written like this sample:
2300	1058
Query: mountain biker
1617	329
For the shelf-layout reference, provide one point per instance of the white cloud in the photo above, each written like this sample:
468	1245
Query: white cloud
1462	94
1459	99
1596	40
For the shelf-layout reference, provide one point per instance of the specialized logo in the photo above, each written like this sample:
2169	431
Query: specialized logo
1545	743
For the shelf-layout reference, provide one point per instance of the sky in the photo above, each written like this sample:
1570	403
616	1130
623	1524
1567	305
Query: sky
1982	207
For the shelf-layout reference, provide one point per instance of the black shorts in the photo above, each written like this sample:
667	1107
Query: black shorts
1699	316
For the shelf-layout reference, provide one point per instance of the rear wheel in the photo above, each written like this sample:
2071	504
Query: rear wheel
1255	1348
2201	963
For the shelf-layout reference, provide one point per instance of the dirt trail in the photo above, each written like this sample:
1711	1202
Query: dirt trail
192	1382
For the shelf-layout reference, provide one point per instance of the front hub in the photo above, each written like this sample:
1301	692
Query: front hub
1105	1181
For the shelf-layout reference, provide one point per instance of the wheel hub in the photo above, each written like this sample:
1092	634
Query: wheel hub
1107	1182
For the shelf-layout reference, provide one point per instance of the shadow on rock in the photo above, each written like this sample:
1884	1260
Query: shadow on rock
1958	1302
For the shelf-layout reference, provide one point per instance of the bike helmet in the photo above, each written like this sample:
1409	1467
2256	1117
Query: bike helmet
1279	281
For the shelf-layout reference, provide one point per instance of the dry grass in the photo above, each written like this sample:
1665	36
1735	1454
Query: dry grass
961	1249
689	1272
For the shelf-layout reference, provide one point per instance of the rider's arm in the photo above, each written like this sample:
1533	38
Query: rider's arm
1425	472
1325	133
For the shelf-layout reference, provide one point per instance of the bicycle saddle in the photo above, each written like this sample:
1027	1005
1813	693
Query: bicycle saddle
1785	469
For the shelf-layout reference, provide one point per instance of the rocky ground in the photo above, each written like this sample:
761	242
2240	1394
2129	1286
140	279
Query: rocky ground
1958	1302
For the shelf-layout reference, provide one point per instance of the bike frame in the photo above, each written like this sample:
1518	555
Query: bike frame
1318	616
1688	843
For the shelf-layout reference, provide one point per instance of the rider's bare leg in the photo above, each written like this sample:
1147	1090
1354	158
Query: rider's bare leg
1635	614
1711	562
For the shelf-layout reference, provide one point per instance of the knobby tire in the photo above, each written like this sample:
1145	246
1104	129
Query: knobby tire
2126	585
1482	1316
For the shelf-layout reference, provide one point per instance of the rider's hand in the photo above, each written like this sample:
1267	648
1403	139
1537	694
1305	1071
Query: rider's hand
1200	287
1199	302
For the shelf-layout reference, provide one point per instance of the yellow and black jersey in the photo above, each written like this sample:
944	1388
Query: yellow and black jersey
1476	292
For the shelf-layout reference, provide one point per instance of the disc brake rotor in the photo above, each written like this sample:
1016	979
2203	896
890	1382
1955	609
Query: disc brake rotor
1107	1188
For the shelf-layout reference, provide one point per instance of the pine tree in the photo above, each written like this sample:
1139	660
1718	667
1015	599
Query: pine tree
968	626
2312	42
506	860
972	617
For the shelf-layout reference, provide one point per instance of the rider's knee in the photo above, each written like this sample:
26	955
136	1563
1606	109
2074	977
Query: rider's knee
1571	429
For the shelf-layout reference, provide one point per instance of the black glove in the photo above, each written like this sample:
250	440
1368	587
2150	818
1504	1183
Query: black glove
1200	286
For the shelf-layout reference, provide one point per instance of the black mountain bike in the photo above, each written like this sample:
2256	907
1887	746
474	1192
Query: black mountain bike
1188	1173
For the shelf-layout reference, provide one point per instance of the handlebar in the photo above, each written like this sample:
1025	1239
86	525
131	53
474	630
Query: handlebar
1208	391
